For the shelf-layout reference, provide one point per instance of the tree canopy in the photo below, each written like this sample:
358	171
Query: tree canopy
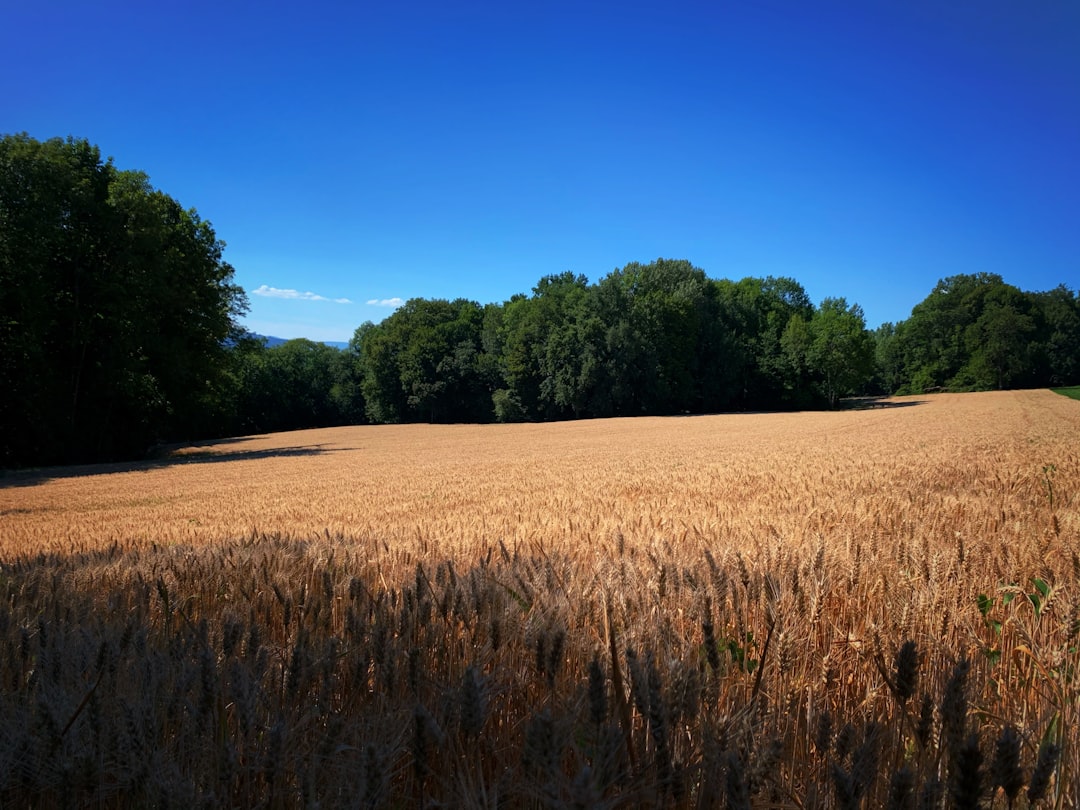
975	332
663	338
657	338
118	320
115	312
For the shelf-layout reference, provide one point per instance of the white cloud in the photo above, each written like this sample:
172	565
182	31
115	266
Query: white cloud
386	302
295	295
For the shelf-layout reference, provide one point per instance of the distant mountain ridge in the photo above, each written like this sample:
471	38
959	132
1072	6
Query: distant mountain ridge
272	341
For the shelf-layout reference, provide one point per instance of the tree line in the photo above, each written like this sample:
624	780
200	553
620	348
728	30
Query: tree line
663	338
119	321
116	309
658	338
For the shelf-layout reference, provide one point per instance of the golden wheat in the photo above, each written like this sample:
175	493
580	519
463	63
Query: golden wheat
856	609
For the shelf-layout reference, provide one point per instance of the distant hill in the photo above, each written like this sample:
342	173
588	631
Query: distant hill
272	341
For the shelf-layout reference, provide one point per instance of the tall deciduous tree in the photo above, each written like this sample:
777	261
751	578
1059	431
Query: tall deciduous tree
888	359
543	350
977	332
297	384
840	352
1058	313
663	349
757	312
999	340
115	311
934	337
425	363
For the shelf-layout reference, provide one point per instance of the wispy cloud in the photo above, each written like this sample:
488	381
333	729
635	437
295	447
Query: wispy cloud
386	302
295	295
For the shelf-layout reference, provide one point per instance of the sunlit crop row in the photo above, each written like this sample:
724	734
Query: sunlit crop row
863	608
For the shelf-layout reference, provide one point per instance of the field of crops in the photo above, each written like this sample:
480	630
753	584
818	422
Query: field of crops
864	608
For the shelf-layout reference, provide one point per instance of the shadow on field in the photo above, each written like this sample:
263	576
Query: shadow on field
188	454
871	403
848	404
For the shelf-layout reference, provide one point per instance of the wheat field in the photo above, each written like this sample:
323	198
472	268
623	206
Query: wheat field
863	608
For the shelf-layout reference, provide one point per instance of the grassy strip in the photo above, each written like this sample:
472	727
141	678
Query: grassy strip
1073	392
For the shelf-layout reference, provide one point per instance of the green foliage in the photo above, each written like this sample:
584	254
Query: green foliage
298	384
795	344
1072	392
841	352
116	309
1056	345
974	332
508	407
646	339
118	323
663	338
739	650
993	622
659	346
426	362
549	347
763	370
888	360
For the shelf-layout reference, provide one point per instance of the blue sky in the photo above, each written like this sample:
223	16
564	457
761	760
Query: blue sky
353	155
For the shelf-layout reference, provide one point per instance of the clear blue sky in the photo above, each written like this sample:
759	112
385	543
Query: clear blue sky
370	152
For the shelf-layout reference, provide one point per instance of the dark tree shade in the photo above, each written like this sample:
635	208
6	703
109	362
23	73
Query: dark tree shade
115	311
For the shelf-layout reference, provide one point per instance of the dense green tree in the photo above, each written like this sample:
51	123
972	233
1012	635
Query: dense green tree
757	311
115	311
542	348
303	375
934	338
888	360
253	392
1056	351
297	384
573	379
793	368
426	363
380	383
663	348
517	335
840	352
346	396
998	342
977	332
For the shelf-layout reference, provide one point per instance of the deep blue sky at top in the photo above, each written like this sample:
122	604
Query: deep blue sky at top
382	151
